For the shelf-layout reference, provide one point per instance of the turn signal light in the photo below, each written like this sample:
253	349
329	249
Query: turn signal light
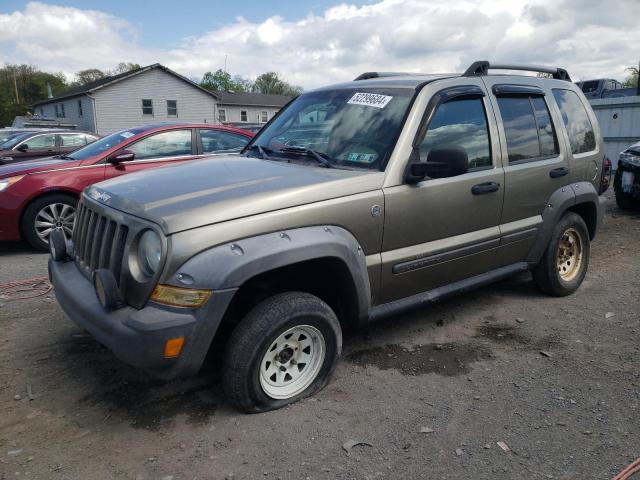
180	297
173	347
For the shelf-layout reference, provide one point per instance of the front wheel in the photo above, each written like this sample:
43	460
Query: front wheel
46	214
564	263
285	349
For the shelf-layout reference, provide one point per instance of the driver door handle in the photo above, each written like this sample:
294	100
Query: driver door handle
486	187
559	172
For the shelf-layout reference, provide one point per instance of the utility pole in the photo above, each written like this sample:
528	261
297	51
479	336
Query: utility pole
225	64
15	86
638	81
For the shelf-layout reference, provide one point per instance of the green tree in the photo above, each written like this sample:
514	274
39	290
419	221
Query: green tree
271	83
22	85
89	75
632	79
124	67
221	81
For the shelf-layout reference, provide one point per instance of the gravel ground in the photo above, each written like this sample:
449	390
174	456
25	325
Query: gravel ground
431	393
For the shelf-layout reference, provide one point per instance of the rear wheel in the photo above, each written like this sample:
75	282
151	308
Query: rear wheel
565	261
46	214
285	349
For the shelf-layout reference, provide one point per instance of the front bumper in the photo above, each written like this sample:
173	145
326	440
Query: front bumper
137	337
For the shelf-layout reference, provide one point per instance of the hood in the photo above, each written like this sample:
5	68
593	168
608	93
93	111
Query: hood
209	191
32	166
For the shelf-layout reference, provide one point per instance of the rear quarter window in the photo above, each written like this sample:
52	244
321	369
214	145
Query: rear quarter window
574	115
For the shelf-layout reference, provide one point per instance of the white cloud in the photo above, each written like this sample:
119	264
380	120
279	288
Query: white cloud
413	35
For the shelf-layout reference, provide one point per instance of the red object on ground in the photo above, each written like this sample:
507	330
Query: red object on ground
630	470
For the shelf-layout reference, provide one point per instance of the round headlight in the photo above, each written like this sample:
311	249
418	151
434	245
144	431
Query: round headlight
149	252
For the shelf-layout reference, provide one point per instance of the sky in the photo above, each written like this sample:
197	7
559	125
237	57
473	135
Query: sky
316	42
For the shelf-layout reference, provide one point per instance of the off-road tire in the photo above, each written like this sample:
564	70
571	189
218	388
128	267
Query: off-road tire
546	274
27	224
257	331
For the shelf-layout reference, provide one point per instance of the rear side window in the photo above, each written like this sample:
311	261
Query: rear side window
528	128
221	141
460	123
78	140
579	128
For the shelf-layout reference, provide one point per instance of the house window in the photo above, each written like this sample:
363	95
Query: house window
79	108
243	115
41	112
56	110
62	115
147	106
264	116
222	115
172	108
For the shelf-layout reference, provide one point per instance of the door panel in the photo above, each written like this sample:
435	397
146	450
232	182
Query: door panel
439	231
160	149
38	146
534	159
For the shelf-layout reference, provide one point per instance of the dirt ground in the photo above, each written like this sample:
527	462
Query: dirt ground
431	393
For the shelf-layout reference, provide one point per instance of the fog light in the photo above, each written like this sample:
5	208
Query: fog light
173	347
106	288
57	245
180	297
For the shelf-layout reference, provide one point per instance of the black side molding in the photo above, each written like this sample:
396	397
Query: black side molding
407	304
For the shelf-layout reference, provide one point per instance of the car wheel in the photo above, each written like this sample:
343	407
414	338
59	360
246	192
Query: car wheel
45	214
623	200
566	259
283	350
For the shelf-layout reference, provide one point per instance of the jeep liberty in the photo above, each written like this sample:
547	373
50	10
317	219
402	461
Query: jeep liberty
356	202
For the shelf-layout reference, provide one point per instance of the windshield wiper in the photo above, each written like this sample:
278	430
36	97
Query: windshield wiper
261	151
309	153
64	157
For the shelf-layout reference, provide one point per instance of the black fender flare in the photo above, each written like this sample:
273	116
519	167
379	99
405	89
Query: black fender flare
230	265
560	201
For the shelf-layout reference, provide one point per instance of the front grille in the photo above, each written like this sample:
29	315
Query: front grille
99	242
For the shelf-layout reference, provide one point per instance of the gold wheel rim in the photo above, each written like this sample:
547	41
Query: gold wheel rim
569	258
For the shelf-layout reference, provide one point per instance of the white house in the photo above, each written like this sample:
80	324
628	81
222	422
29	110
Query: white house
154	94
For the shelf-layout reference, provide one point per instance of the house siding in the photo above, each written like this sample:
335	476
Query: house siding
253	113
120	105
71	111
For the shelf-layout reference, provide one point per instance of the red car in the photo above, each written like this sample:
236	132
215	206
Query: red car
40	195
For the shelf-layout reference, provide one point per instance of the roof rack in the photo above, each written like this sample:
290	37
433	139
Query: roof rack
482	67
367	75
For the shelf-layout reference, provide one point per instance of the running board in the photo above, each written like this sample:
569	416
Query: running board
425	298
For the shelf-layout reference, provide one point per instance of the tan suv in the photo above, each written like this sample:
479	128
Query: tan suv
356	202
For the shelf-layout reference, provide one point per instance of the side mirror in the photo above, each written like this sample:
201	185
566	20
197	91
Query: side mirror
23	148
123	156
442	162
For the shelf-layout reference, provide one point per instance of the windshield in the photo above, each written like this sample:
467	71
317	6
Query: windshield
354	127
10	140
104	144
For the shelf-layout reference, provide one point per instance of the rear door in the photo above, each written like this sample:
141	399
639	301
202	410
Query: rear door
163	148
534	158
442	230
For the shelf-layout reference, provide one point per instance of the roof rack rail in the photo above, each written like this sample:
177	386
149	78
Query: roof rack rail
482	67
367	75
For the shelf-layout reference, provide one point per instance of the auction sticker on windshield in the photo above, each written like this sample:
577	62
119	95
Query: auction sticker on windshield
370	99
